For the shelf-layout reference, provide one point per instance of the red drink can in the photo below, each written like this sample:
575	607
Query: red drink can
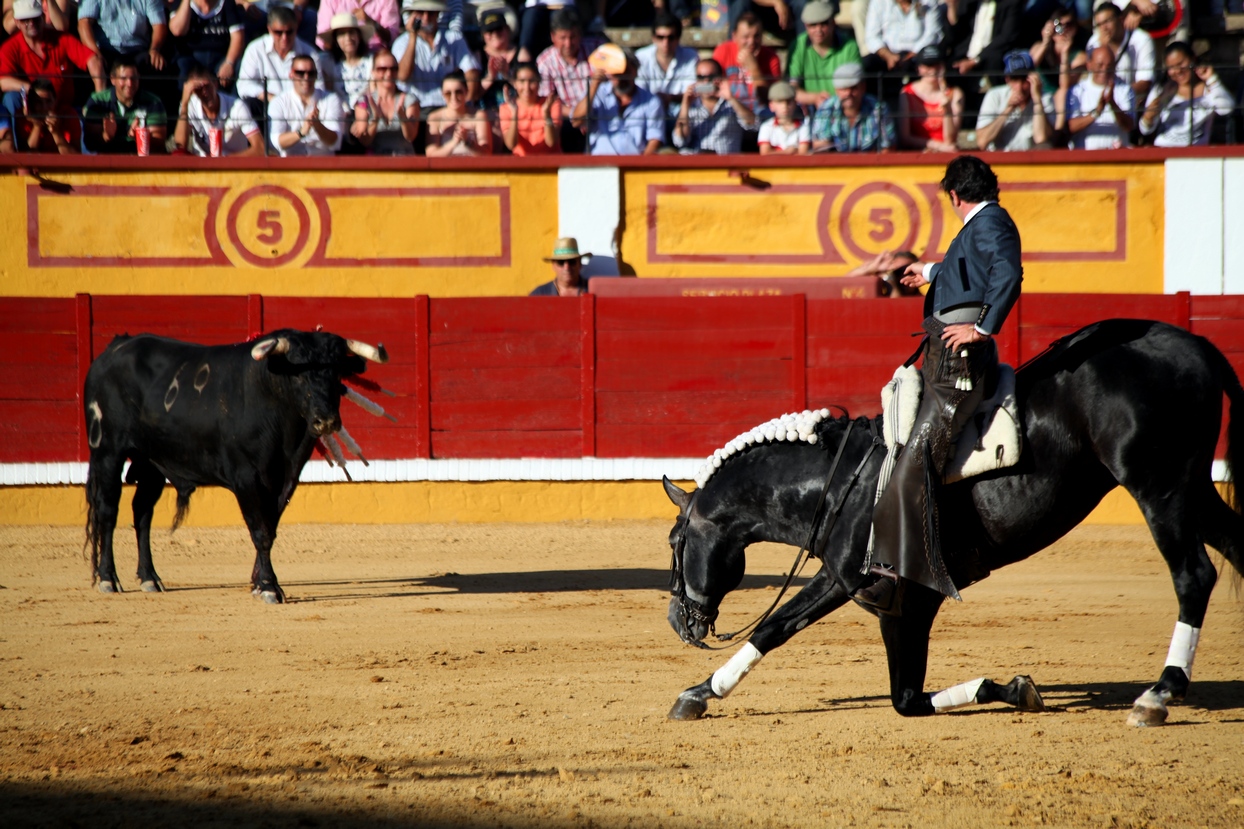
215	142
142	137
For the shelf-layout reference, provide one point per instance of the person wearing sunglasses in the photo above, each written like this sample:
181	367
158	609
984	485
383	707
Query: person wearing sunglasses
386	119
266	63
711	119
306	121
204	108
666	67
1181	112
458	128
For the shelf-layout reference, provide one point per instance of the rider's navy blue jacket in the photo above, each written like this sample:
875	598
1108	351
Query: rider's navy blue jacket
982	266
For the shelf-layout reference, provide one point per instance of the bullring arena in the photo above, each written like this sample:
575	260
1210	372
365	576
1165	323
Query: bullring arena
475	629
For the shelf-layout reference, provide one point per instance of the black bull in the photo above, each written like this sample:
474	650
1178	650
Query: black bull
1128	403
245	417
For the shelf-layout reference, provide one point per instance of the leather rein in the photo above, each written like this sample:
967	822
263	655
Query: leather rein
694	610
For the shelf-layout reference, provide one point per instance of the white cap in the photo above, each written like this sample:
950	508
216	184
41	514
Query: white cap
27	9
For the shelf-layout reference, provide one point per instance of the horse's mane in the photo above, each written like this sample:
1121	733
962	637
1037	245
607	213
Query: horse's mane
817	425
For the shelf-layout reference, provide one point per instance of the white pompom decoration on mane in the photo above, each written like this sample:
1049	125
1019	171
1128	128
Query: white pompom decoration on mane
799	426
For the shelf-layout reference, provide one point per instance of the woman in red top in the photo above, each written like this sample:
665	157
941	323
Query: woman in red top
929	113
530	125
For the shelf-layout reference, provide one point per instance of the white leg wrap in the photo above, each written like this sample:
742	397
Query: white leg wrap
728	676
1183	647
958	696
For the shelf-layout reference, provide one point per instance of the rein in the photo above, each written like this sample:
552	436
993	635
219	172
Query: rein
692	609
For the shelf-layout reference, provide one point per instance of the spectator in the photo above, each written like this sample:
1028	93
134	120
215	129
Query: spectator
426	54
775	16
984	31
1060	50
623	119
43	126
852	121
1097	111
1015	117
304	119
458	128
60	16
531	125
386	119
350	57
889	266
137	29
500	54
380	15
817	53
1132	49
210	33
1181	112
204	108
749	66
6	132
567	270
929	111
111	116
666	67
563	67
40	51
268	60
787	132
711	119
896	30
540	22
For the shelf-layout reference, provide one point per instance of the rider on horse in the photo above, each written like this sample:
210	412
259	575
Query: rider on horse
971	292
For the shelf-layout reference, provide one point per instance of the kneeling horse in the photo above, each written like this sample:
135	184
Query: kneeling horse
1130	403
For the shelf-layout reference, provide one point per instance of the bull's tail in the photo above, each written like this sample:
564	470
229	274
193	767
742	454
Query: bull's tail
183	507
93	539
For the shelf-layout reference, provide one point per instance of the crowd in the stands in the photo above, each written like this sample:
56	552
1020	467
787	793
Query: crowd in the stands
531	77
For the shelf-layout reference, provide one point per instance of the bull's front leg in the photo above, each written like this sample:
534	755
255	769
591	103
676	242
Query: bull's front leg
818	598
261	515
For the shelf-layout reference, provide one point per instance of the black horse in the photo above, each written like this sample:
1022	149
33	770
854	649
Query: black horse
1129	403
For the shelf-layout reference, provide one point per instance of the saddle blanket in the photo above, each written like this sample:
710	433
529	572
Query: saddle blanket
991	440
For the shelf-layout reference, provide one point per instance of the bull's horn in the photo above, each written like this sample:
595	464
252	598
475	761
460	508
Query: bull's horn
272	345
375	353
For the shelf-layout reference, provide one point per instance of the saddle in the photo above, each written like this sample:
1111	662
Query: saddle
991	440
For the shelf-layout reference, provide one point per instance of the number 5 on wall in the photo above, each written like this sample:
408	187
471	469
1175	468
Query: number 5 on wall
269	224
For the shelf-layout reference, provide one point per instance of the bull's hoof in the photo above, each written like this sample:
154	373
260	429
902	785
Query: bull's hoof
109	587
1144	716
152	586
688	707
1027	696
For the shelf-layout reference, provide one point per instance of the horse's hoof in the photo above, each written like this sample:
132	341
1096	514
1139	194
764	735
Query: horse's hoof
271	597
109	587
1144	716
150	586
1028	695
688	708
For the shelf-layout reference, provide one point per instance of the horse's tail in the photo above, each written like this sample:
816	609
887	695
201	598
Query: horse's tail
92	526
1225	529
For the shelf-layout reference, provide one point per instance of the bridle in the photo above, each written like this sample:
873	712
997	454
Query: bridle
693	610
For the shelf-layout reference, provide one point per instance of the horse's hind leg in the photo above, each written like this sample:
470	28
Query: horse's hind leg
1171	520
150	483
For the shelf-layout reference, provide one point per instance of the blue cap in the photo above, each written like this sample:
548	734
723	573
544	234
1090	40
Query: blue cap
1017	62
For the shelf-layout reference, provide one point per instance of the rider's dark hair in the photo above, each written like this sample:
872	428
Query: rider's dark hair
971	179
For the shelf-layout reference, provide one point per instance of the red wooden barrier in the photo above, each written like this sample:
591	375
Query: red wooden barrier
541	377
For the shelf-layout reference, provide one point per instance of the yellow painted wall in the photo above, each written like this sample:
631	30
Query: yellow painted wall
1085	227
421	502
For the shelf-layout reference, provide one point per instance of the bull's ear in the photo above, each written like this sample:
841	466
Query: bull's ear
680	497
271	345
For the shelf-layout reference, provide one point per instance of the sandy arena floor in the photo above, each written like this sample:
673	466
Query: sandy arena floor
519	675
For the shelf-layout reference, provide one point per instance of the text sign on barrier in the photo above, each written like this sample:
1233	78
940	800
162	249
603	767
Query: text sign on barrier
842	287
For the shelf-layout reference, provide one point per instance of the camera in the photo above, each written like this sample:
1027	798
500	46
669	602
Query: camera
1059	28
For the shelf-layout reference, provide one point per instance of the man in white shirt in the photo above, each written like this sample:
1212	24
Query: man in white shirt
666	67
1134	61
205	107
1014	116
1098	111
306	121
264	73
436	52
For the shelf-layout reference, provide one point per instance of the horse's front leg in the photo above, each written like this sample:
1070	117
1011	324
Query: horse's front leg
818	598
907	651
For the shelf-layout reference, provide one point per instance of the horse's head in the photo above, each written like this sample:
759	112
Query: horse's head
707	564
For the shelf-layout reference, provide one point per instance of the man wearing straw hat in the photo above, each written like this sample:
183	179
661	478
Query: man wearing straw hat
567	270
